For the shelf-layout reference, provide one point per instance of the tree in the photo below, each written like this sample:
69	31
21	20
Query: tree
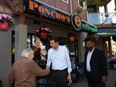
97	2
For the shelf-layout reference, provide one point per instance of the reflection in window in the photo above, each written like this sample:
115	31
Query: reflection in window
35	43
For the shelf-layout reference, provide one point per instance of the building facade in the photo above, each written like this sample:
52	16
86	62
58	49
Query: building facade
28	15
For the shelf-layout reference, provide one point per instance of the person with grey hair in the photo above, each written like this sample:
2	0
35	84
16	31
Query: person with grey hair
24	71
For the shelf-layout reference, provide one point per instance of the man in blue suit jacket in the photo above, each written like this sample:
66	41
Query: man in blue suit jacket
95	66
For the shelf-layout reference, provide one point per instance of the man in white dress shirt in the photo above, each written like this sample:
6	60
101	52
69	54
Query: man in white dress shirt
59	60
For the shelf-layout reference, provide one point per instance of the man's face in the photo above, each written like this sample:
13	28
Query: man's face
89	45
53	44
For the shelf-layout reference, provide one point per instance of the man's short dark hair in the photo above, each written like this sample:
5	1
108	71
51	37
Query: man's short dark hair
89	39
55	39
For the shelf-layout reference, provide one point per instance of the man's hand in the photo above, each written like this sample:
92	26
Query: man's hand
84	77
48	69
104	79
69	79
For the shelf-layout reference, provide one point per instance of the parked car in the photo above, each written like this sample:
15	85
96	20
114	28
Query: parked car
111	62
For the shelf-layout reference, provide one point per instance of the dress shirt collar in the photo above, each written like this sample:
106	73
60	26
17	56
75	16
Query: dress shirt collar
92	50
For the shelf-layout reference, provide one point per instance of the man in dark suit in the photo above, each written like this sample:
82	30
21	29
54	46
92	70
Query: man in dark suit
95	65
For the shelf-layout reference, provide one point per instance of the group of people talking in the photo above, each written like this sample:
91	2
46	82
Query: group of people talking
24	71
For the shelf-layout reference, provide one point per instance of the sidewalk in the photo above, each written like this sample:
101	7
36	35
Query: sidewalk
110	82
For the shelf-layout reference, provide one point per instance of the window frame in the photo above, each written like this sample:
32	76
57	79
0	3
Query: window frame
67	2
84	4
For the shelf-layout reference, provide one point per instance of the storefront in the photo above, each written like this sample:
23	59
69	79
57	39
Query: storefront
59	23
40	15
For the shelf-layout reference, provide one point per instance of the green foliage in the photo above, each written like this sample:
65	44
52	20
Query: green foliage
78	10
97	2
89	10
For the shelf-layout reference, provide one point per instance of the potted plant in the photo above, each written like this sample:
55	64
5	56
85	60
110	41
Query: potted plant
5	21
78	10
43	31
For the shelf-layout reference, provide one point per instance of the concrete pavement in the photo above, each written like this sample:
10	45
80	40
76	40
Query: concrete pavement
110	82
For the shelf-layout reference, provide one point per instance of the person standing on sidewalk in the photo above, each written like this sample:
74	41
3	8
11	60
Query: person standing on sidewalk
95	65
24	71
59	60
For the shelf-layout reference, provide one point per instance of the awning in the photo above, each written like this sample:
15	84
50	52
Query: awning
107	31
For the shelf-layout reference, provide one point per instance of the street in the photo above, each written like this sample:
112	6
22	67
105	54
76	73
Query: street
110	82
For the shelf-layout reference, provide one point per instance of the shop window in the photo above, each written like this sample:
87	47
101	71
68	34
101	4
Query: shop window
30	40
40	49
66	1
30	43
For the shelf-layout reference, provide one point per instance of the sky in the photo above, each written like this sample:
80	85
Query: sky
110	7
111	11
